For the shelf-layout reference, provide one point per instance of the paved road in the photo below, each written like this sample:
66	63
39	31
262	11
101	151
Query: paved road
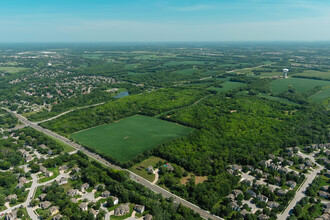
63	113
26	204
300	192
133	176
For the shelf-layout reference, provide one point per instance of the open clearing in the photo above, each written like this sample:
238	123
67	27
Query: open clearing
300	85
314	73
128	137
198	179
226	86
11	69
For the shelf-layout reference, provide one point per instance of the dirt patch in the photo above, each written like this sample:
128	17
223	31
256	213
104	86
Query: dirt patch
198	179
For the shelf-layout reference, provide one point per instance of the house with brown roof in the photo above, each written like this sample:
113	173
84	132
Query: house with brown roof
83	206
10	197
105	194
84	186
12	215
54	210
42	196
123	209
57	217
93	212
45	205
147	217
139	208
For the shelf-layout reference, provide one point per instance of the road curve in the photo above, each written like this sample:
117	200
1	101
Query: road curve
204	214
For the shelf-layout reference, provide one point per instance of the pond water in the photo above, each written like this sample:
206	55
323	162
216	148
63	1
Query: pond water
121	94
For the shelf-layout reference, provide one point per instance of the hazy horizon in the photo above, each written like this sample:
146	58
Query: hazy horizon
164	21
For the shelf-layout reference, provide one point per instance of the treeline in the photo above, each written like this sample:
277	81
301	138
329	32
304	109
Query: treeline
240	130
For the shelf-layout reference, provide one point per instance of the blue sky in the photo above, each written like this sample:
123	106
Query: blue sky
164	20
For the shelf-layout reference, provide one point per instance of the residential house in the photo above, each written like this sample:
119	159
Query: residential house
72	192
12	215
262	217
93	212
325	188
301	166
280	192
28	159
262	198
76	169
236	167
123	209
48	173
283	170
10	197
252	193
323	194
63	168
115	200
308	163
42	196
250	168
43	146
54	210
105	194
84	186
20	186
44	205
231	197
83	206
236	192
99	186
42	168
150	169
234	206
147	217
73	200
272	204
22	180
139	208
62	181
291	183
244	212
57	217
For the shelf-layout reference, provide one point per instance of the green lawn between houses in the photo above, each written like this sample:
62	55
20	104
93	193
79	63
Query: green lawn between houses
128	137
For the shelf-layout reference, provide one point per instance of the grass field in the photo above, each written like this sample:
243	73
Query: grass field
282	100
128	137
314	73
11	69
226	86
322	97
299	84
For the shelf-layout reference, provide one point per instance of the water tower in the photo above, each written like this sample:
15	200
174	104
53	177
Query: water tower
285	73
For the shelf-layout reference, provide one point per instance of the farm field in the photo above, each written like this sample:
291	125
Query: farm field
300	85
314	73
226	86
322	97
131	136
11	69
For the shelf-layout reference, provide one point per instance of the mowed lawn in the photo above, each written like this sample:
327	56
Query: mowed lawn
128	137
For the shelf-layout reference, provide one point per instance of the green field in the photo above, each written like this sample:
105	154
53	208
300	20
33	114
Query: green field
128	137
184	62
282	100
226	86
314	73
11	69
300	85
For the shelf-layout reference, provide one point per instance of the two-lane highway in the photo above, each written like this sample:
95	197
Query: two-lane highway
133	176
